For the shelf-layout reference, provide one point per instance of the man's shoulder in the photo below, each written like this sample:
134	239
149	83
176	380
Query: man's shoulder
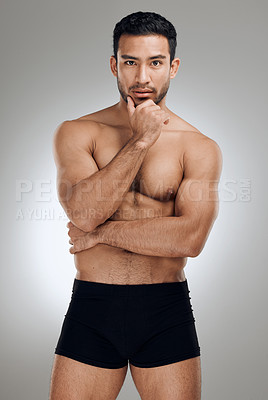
194	142
197	144
200	148
190	134
75	133
81	128
98	118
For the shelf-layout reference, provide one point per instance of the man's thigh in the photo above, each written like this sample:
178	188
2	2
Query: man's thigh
176	381
73	380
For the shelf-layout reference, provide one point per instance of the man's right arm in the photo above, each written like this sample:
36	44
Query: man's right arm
88	195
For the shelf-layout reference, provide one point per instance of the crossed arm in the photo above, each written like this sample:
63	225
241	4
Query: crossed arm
196	209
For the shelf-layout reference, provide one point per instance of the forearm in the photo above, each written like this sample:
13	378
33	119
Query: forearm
162	237
96	198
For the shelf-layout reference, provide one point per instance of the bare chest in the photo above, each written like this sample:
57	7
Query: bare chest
158	178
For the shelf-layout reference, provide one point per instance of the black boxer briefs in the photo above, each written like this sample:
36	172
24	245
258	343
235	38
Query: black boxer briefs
149	325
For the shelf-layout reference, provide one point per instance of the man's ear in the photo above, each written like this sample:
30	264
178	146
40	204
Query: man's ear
113	65
174	67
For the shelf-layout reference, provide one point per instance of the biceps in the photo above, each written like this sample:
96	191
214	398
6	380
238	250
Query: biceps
77	167
198	200
72	148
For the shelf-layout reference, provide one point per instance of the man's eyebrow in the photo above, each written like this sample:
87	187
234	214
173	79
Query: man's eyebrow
126	56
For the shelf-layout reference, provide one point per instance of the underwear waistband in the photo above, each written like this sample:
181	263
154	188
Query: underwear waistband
98	288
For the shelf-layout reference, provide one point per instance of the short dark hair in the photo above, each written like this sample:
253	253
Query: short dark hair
145	23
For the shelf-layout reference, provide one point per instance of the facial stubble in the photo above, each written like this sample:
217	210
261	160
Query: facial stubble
160	97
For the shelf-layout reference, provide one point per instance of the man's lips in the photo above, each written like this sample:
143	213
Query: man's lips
142	92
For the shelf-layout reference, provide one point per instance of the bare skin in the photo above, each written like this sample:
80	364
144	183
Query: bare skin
160	211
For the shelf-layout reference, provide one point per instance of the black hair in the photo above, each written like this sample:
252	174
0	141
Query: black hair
145	23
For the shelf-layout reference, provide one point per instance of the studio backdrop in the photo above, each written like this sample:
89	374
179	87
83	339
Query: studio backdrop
55	67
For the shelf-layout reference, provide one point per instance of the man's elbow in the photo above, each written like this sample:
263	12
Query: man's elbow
91	224
195	251
186	251
87	225
198	246
199	243
200	236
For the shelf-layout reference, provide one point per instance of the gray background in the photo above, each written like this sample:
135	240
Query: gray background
55	66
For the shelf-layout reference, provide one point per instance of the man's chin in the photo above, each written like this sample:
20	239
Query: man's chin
138	101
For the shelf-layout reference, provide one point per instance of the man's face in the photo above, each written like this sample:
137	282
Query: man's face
143	67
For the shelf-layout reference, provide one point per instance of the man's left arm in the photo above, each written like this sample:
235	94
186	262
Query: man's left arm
196	209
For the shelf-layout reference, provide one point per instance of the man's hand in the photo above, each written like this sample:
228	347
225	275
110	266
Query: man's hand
81	240
146	120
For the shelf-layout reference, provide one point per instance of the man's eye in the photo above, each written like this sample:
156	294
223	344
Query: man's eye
155	63
129	61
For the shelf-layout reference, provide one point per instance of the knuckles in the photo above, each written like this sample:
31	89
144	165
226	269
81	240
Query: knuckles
149	114
145	103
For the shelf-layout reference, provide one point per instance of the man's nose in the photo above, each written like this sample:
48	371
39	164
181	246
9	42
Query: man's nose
142	75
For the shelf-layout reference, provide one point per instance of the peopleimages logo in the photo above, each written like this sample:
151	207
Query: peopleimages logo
33	197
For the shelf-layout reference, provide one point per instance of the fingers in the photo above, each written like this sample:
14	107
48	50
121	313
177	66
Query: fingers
148	103
130	106
74	232
70	232
150	106
157	111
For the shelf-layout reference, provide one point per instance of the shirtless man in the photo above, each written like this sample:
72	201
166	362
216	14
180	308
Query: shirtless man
139	185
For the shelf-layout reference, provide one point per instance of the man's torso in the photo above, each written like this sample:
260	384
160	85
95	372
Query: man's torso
152	194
